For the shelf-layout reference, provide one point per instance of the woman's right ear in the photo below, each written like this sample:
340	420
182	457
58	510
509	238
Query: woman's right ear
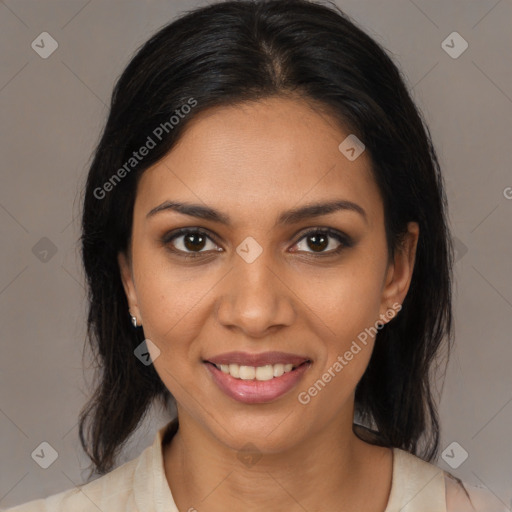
125	269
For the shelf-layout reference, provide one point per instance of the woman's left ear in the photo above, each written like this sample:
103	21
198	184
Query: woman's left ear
400	271
126	273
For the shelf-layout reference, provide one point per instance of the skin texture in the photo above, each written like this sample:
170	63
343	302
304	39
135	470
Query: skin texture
252	162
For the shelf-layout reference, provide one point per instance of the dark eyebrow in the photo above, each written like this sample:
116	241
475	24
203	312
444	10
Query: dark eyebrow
292	216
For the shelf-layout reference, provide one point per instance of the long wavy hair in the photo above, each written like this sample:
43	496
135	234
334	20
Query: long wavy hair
225	54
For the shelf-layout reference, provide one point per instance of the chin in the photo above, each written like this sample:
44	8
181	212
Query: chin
267	434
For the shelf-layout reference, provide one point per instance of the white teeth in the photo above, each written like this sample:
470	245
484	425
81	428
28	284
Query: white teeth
278	370
247	372
266	372
234	370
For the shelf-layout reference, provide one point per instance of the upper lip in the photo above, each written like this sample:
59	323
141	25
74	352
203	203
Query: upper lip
262	359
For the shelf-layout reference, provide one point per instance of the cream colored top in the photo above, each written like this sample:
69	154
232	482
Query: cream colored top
140	485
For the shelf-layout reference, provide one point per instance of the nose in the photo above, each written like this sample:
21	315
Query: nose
256	299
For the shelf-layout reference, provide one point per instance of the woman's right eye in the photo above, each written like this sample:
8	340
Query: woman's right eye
189	242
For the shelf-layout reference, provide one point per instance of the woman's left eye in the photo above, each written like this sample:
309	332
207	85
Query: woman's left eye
319	240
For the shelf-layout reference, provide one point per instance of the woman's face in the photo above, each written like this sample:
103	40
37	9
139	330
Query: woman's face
266	280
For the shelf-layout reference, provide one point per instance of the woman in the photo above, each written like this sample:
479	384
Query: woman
266	245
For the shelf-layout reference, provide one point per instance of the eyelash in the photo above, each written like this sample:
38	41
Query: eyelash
344	240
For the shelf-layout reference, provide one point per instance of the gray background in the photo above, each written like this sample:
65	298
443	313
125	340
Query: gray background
52	113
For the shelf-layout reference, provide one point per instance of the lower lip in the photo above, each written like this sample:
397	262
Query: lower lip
257	391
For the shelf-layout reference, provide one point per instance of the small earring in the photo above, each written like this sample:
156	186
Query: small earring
134	321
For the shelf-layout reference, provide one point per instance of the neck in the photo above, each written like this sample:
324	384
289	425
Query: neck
334	468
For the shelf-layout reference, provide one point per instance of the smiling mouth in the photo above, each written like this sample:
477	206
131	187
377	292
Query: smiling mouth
260	373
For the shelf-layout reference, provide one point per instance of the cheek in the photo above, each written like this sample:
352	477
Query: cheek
347	309
166	292
347	306
169	301
173	313
347	300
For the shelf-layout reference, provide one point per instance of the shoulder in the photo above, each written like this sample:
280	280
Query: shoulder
136	485
477	499
417	485
421	486
113	491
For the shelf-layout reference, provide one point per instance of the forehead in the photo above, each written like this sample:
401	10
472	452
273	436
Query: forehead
260	157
